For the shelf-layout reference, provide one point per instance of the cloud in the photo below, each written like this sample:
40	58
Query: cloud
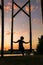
7	8
15	7
27	8
36	20
17	33
8	33
32	8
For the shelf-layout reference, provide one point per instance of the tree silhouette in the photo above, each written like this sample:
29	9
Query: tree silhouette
40	45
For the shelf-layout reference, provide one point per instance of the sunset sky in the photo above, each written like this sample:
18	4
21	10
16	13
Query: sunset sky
21	23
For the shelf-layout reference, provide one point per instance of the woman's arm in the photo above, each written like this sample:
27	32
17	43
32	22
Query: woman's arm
26	42
15	42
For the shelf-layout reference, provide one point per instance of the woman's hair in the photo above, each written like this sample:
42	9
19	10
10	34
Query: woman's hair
21	37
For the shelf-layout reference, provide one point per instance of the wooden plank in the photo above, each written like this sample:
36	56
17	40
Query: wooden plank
0	7
30	27
2	40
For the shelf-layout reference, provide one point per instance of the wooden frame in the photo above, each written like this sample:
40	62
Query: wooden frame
13	15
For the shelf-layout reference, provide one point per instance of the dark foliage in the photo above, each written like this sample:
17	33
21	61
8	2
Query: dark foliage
40	45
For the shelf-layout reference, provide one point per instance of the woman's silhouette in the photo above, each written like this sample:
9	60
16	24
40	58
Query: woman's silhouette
21	48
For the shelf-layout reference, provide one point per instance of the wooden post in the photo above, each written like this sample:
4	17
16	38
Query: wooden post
1	7
2	41
42	9
30	27
12	30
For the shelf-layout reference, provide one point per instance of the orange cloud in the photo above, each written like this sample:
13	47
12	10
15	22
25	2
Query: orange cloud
27	8
7	8
32	8
17	33
8	33
15	7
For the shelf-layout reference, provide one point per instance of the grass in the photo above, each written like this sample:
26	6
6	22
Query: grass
22	60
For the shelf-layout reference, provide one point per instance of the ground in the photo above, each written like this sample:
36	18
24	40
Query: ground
22	60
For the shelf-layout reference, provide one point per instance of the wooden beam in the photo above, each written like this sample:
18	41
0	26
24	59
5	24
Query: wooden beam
12	30
42	9
21	8
30	27
0	7
2	41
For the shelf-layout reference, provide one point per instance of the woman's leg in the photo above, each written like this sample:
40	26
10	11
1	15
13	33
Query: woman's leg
22	51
